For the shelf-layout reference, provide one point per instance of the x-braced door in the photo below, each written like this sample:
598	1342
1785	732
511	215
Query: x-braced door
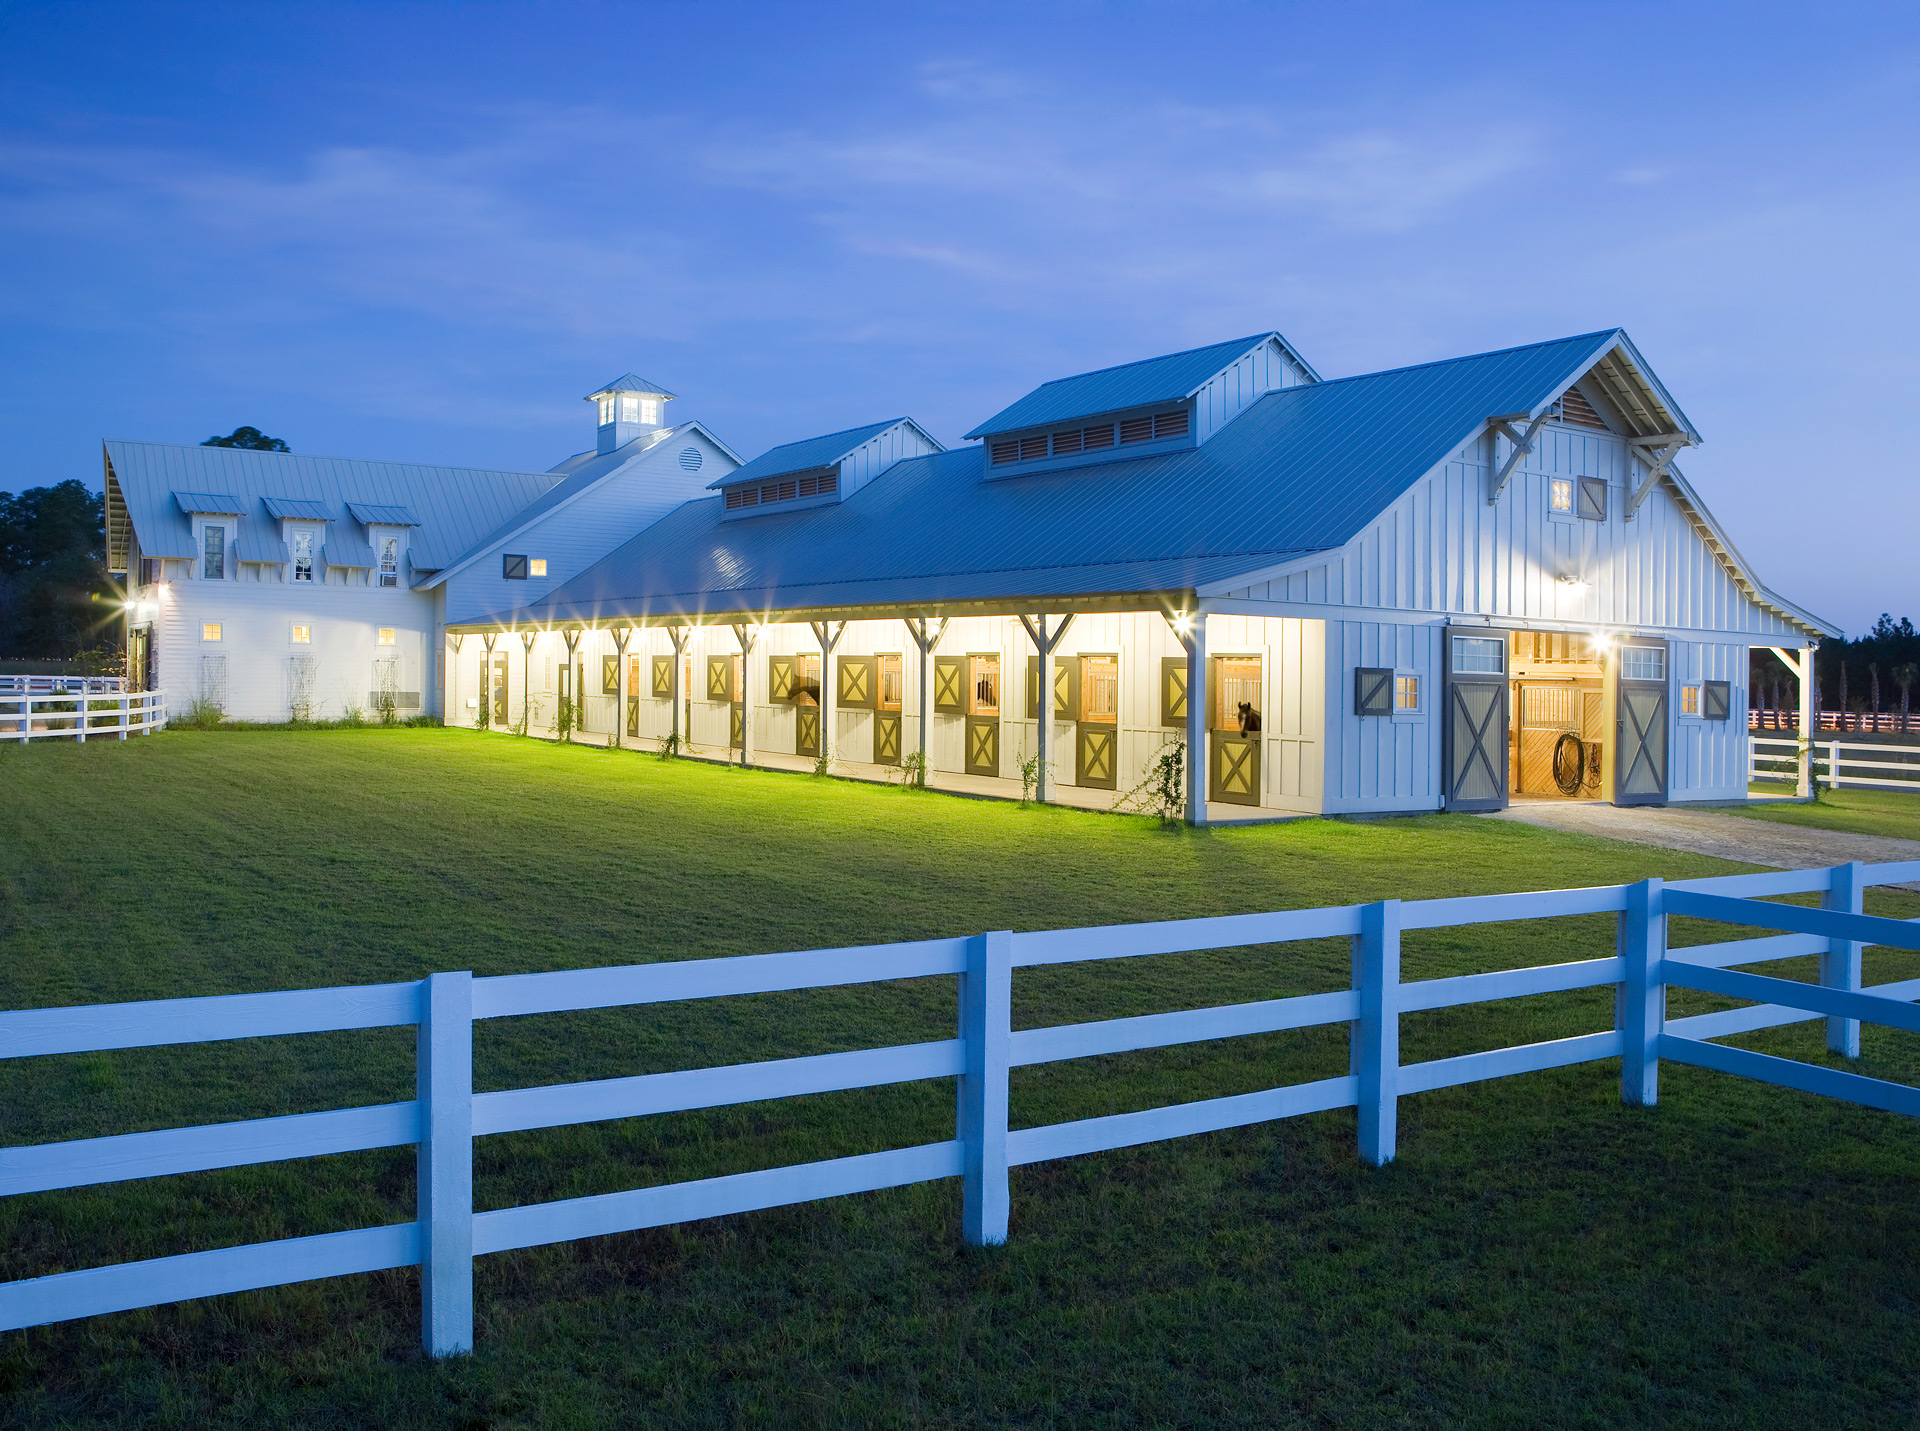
1642	723
1474	731
886	739
806	728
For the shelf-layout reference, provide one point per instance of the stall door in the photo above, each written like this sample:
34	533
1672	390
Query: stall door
1096	740
806	731
1641	731
890	676
1474	731
139	652
500	690
983	713
633	697
1233	759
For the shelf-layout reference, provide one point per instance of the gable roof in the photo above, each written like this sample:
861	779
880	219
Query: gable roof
577	476
455	504
630	383
811	452
1167	378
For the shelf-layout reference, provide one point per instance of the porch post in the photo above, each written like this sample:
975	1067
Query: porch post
829	679
621	636
1195	640
742	632
1807	733
677	637
1043	709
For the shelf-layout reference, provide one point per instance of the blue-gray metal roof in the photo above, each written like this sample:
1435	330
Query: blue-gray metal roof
1302	470
631	383
297	508
1163	379
375	515
455	504
806	454
212	504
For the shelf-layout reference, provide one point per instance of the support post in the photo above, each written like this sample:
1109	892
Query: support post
925	638
679	636
1375	1056
1195	640
743	633
444	1079
1643	992
1045	645
986	1020
828	634
1807	732
1840	965
621	636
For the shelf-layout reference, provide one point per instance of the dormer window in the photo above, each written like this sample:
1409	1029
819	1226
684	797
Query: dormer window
213	559
389	561
303	554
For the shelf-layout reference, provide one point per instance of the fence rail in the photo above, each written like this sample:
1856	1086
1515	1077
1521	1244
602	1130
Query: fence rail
1837	762
1865	722
74	710
446	1115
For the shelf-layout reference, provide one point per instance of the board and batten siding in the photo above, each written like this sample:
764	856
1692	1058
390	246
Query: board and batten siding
574	536
1232	392
1382	763
1709	757
1442	548
878	453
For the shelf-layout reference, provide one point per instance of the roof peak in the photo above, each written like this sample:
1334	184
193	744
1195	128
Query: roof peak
1246	342
1594	336
630	383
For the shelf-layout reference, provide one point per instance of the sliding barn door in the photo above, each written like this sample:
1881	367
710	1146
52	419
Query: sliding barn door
1474	729
1641	724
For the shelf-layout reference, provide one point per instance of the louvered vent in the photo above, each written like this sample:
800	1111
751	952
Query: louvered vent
1575	409
761	494
1074	440
691	459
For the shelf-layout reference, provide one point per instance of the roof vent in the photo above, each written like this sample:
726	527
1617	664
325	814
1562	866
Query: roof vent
691	459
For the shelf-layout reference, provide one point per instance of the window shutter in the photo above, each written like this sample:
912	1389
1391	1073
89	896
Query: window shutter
609	675
779	678
1372	691
950	684
663	678
1066	687
1593	499
1173	690
856	681
720	678
1716	699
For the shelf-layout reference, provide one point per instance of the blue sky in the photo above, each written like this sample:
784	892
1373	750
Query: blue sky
425	231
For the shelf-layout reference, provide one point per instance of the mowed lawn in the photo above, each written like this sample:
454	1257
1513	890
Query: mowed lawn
1539	1255
1862	812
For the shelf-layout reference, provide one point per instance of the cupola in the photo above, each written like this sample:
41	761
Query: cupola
629	407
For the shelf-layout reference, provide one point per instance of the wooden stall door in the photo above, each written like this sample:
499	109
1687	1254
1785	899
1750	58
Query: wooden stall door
1233	764
1641	726
1474	729
1096	741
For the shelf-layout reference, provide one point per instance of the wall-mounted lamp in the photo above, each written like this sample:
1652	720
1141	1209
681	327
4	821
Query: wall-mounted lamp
1575	585
1182	622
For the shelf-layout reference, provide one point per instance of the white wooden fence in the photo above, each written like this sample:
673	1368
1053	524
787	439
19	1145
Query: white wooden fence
447	1115
77	708
1839	762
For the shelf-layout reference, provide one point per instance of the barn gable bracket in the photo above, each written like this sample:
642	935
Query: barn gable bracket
1522	445
1658	453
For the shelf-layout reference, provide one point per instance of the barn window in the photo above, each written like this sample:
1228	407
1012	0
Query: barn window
1593	499
1716	700
609	675
1643	663
1406	693
1006	450
537	566
1100	689
389	562
1032	448
214	556
1092	438
303	554
302	635
1066	443
1562	494
1690	700
1479	655
210	631
386	636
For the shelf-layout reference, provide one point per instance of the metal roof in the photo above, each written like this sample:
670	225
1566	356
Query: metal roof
213	504
455	504
377	516
1164	379
1304	469
630	383
349	554
298	508
808	453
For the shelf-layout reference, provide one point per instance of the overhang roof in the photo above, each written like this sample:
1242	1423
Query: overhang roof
1169	378
630	383
212	504
374	515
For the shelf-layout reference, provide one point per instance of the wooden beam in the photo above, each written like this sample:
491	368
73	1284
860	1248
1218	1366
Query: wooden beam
1522	445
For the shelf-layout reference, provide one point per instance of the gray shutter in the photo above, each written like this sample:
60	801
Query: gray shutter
1372	691
1716	700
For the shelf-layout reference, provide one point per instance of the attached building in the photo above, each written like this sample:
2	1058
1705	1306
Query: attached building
1440	586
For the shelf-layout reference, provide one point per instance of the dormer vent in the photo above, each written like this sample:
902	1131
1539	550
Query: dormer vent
1073	441
821	470
762	494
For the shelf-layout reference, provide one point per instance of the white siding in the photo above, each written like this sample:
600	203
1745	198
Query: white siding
1230	393
1709	757
1380	763
875	456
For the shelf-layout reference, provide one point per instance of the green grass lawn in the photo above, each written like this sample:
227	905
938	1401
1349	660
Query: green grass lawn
1861	812
1539	1255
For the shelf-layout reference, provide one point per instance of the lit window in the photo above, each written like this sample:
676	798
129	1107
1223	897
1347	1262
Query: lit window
386	635
538	566
629	409
1562	494
390	562
214	564
1689	700
303	555
1406	693
210	631
302	635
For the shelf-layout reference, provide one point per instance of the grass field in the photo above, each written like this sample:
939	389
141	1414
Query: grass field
1863	812
1539	1255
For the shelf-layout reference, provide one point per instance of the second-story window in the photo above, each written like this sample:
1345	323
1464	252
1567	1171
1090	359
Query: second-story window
213	565
390	561
303	556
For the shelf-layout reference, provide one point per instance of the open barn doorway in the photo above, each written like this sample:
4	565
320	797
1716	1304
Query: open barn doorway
1558	744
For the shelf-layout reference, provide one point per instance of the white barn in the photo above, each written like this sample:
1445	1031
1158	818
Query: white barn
284	586
1443	586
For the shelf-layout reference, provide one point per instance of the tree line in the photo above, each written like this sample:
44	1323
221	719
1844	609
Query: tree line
1867	676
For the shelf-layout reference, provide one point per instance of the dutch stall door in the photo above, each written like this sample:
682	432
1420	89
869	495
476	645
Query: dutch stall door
1474	734
1642	723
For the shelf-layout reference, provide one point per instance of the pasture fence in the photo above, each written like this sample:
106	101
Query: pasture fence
76	708
446	1115
1878	766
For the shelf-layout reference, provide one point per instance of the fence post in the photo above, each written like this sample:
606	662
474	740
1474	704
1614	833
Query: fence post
1376	1033
1840	965
986	1028
1643	993
444	1074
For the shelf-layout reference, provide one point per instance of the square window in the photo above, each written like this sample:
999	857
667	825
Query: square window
1593	499
1690	700
386	635
1561	498
1479	655
513	568
1643	663
1406	693
210	631
538	566
302	635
